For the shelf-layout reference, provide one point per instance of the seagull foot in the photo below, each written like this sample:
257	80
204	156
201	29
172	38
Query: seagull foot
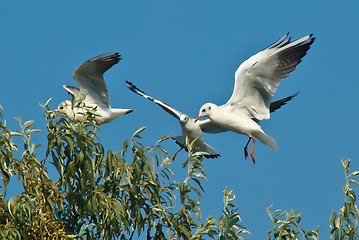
245	153
252	156
94	132
253	159
174	155
245	149
185	163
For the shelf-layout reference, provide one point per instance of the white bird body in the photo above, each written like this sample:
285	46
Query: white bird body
103	115
89	77
256	81
232	119
192	130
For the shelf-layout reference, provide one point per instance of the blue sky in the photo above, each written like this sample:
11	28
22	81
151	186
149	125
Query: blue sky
185	53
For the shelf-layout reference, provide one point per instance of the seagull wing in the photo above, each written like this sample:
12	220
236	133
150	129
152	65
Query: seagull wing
209	127
163	105
278	104
89	77
74	91
257	79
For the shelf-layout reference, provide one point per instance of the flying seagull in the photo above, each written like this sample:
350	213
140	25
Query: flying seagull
256	81
89	77
190	128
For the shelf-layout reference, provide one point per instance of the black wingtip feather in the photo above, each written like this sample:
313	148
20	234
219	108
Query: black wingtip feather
136	90
278	104
133	88
291	56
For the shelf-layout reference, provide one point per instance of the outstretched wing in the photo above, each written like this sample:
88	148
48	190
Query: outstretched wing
89	77
163	105
257	79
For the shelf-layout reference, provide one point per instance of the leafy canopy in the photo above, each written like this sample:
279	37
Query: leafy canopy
100	194
103	195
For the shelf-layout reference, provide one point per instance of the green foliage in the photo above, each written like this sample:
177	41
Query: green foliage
344	224
102	195
286	226
229	227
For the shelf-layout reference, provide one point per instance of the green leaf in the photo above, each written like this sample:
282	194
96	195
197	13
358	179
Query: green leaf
339	222
28	124
136	134
354	181
353	173
17	133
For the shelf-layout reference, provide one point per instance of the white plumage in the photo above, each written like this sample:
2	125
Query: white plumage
89	77
256	81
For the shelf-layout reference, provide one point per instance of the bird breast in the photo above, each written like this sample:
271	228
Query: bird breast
192	131
236	121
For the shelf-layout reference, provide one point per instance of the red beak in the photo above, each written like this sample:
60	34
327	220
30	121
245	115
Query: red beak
197	118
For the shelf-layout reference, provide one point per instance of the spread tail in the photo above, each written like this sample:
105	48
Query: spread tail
213	153
267	140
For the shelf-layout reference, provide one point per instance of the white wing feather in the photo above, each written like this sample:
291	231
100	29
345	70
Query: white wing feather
257	79
89	77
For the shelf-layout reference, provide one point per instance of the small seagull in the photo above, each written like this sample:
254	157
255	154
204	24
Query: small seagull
190	128
256	81
89	77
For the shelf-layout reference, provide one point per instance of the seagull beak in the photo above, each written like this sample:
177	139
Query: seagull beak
197	118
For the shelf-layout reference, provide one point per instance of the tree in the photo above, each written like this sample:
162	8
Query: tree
102	194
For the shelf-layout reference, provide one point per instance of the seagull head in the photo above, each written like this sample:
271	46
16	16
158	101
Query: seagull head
184	119
66	108
205	110
63	106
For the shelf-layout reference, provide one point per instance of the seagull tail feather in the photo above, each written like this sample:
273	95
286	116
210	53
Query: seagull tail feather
116	112
213	153
267	140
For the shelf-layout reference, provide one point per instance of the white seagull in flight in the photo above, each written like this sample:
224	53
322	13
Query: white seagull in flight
89	77
256	81
190	128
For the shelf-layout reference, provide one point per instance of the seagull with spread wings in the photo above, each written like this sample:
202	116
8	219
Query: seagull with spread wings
89	77
256	81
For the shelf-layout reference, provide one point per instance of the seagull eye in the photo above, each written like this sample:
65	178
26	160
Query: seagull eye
209	108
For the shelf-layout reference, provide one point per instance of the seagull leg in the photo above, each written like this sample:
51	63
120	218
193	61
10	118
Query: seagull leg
252	156
93	133
245	149
174	155
186	162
